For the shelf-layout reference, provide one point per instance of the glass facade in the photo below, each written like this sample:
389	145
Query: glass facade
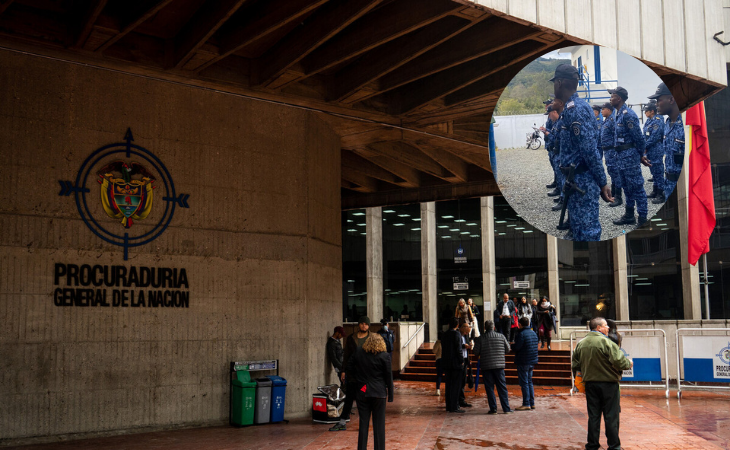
402	263
585	271
717	110
654	267
520	254
459	254
354	276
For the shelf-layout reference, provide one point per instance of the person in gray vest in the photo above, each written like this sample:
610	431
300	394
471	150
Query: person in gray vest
491	348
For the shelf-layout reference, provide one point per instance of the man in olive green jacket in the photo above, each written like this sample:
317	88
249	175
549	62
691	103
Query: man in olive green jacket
601	362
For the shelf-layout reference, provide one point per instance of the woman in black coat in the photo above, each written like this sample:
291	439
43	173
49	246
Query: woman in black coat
372	365
545	321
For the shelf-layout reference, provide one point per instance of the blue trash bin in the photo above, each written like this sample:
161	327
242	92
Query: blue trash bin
278	397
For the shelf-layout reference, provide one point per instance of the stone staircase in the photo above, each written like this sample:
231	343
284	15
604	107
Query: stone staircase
553	368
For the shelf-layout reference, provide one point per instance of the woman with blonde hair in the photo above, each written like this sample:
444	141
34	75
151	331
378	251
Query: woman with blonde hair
373	368
463	313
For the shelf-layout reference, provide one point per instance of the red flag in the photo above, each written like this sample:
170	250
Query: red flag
701	201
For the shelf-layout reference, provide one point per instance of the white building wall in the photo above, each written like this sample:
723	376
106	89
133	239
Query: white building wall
511	131
683	28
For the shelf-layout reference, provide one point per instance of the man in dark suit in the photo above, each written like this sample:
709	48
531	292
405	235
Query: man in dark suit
453	363
505	310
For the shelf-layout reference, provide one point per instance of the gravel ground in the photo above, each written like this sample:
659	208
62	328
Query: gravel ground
522	176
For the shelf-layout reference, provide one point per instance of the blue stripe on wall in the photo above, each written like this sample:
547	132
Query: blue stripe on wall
696	369
646	369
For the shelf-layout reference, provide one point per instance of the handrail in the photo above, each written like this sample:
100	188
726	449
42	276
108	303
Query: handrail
414	335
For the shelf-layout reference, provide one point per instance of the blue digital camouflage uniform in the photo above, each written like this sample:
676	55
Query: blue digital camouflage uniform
549	142
555	146
578	141
673	148
628	135
653	134
607	140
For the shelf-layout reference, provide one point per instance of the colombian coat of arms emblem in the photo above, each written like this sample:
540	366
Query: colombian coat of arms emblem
126	191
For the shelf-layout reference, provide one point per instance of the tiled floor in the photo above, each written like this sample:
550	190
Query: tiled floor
416	420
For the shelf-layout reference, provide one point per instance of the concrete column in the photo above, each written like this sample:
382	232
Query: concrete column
620	278
553	276
429	281
374	261
690	274
489	277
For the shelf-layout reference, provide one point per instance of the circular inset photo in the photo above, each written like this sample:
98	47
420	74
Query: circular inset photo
590	143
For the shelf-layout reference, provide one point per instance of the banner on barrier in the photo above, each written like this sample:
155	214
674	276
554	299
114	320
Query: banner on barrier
645	352
706	358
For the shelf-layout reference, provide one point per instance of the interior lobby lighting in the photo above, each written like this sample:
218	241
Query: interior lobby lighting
416	219
520	228
582	285
502	234
453	229
349	220
512	225
656	219
464	232
526	231
352	229
415	229
641	279
404	215
358	214
361	224
398	224
443	226
505	284
473	224
642	284
661	224
664	229
631	276
474	235
445	237
459	220
500	221
388	211
350	281
363	234
447	217
569	281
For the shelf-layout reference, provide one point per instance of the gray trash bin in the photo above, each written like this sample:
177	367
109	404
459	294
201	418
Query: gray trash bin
262	413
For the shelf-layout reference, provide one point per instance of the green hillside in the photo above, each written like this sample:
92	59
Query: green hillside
526	92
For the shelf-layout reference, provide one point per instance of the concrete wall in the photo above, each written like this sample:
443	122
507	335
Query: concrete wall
261	245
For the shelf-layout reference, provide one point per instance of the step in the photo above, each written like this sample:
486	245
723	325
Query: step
508	371
565	366
511	380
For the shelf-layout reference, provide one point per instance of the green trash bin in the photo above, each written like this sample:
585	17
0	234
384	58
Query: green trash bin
243	395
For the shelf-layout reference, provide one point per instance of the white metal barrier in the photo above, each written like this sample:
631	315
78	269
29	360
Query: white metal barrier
646	353
709	360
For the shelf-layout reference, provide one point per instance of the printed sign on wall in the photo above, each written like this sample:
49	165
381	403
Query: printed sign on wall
706	358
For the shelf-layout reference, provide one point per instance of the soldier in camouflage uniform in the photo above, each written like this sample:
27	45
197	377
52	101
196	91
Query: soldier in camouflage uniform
654	135
673	136
579	153
629	145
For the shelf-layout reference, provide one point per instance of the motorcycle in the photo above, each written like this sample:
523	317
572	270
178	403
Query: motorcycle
534	140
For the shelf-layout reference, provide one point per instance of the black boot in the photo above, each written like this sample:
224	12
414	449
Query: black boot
554	192
617	199
654	193
566	225
558	206
659	199
651	180
548	339
627	219
552	185
642	221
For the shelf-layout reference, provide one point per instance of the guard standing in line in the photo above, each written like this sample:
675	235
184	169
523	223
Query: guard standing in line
673	136
579	159
607	142
546	131
557	111
629	145
654	135
597	113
